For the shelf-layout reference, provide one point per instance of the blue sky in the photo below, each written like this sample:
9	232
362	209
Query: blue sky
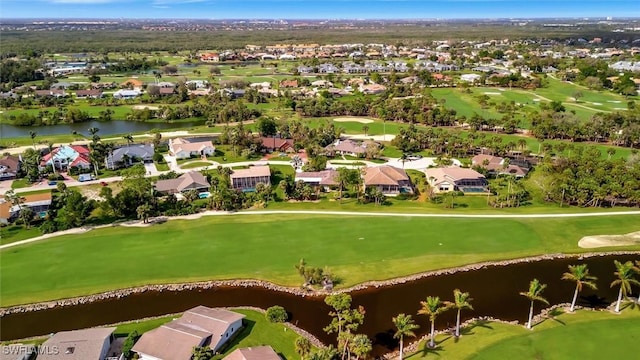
315	9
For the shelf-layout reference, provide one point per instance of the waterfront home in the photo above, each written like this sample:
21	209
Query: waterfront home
87	344
125	94
184	149
9	167
67	156
197	327
126	156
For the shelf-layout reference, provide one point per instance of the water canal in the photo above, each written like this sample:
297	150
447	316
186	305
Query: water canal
495	290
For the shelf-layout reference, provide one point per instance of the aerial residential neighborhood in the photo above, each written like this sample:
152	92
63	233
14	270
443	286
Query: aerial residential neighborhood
184	180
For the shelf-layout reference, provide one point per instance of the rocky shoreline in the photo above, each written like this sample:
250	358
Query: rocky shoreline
303	292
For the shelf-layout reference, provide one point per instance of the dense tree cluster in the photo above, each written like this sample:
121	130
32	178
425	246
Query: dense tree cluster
17	72
586	179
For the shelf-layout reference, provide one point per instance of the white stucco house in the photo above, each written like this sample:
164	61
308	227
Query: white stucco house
184	149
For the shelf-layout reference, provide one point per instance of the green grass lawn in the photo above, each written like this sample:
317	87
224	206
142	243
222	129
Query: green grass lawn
267	247
162	166
196	164
13	233
582	335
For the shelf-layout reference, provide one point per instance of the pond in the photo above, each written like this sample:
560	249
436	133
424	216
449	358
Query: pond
494	289
106	128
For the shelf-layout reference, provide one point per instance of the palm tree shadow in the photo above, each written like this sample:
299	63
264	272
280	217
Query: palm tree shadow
468	330
553	314
435	350
594	301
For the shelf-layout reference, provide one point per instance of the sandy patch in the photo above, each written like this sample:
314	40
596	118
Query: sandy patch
491	93
142	107
348	119
536	100
615	101
619	108
596	103
596	241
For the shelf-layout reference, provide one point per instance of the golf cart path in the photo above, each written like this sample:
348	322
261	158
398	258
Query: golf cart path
321	212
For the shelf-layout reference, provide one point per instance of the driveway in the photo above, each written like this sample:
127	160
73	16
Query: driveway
171	161
151	169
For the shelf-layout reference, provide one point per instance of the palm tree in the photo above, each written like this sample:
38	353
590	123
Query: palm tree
534	294
303	347
432	308
580	275
405	326
202	353
625	280
461	300
33	135
53	166
129	139
361	346
144	211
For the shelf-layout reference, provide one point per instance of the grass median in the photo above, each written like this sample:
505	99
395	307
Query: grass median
267	247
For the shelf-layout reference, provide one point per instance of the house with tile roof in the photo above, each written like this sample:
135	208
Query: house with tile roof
271	144
389	180
9	167
497	165
87	344
128	155
325	178
455	178
247	179
197	327
67	156
184	149
38	203
192	180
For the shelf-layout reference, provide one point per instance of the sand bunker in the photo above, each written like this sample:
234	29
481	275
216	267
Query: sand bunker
596	241
348	119
491	93
596	103
142	107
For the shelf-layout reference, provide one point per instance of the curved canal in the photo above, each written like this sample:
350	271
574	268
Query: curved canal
495	290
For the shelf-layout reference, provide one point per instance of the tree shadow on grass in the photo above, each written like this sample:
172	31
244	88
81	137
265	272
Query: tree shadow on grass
553	315
468	330
436	350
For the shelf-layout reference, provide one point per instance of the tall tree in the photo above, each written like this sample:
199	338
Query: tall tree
461	301
143	212
404	327
580	275
534	294
128	138
624	273
432	308
33	135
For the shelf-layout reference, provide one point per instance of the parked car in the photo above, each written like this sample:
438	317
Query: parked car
411	157
52	183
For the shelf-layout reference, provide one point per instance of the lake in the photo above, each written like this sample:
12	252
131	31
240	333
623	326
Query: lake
107	128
